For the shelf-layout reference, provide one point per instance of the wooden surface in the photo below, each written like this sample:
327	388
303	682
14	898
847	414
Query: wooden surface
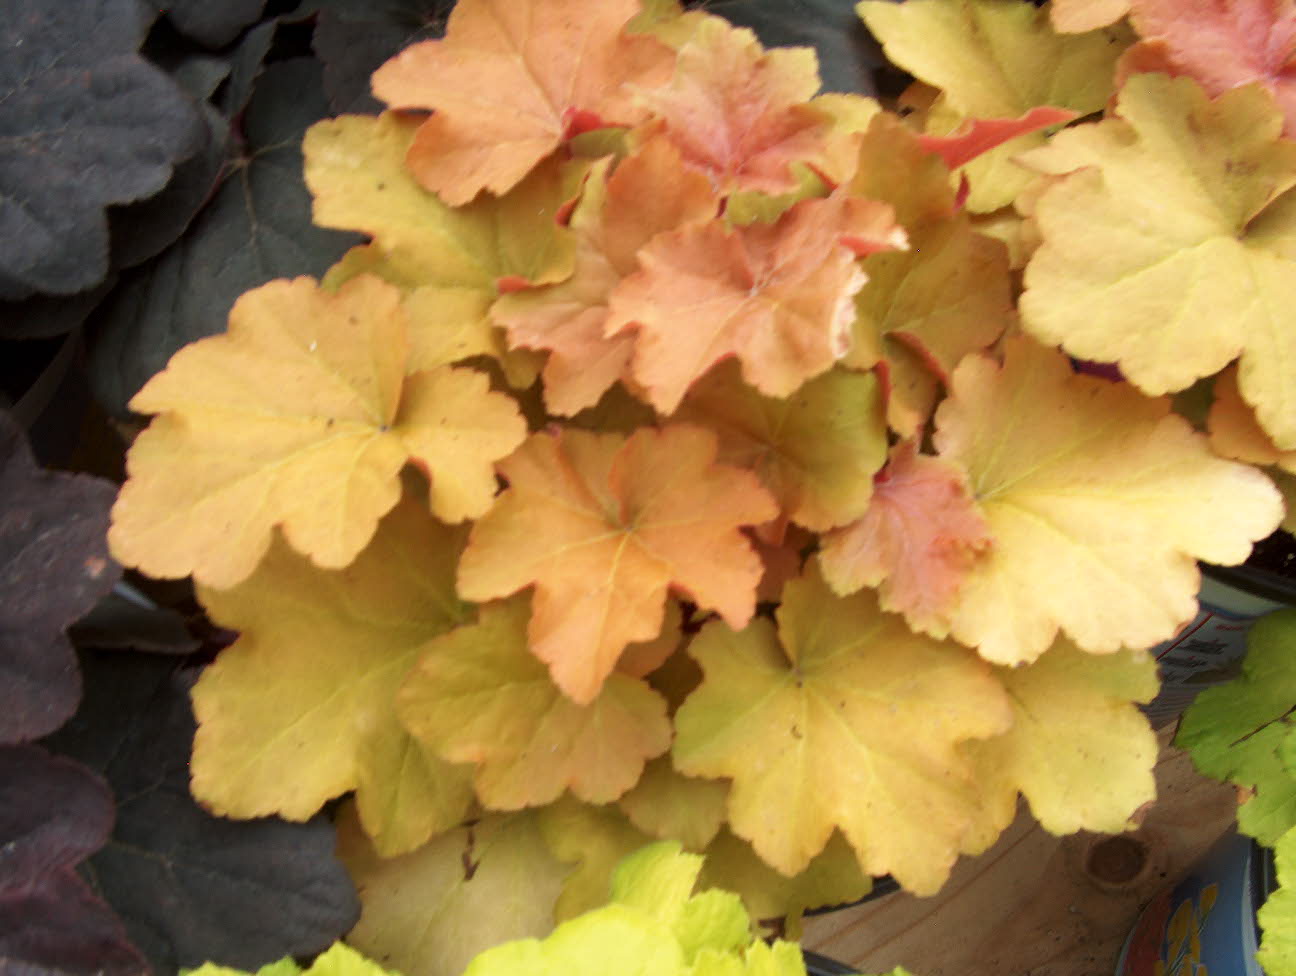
1037	905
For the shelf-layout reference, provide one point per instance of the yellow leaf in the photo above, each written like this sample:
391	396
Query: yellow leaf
429	912
668	805
593	839
1165	249
1099	501
478	695
301	416
844	719
995	59
816	450
300	708
1079	749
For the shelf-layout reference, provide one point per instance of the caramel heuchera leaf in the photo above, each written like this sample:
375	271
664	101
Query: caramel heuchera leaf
1234	432
300	708
1199	266
776	296
738	112
1079	749
511	80
301	416
994	60
1078	16
915	544
816	451
427	913
670	806
1223	45
603	526
477	695
1099	502
648	193
829	724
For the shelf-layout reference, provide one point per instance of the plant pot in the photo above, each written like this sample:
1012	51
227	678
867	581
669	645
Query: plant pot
1208	650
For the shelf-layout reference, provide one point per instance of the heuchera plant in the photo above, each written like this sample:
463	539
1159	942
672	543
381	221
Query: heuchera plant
690	455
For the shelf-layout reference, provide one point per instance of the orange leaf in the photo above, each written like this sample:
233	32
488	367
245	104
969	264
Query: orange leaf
977	136
738	112
777	296
510	81
603	526
648	193
1223	44
916	542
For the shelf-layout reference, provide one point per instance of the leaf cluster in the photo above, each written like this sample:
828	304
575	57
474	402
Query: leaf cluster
617	437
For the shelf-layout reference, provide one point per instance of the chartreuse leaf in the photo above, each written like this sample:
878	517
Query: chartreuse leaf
301	416
829	723
1079	749
1201	267
776	296
300	708
511	81
995	59
338	960
429	912
816	450
1098	500
478	695
1238	731
1277	916
647	193
916	542
603	526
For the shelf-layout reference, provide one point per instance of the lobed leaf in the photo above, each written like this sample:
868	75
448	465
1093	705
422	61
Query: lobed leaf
300	708
1200	268
604	526
510	81
829	723
478	695
1098	500
1238	731
301	416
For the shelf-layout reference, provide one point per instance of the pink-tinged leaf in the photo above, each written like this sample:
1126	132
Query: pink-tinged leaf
1223	44
915	544
738	112
978	136
648	193
777	296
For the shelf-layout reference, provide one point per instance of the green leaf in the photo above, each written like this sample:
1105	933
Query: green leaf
1240	731
1277	917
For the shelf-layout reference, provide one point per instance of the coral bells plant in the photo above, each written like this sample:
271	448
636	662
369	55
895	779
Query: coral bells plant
691	455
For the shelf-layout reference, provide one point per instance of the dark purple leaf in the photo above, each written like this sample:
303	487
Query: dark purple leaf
189	886
54	566
42	316
87	123
59	928
213	22
354	39
54	813
257	227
